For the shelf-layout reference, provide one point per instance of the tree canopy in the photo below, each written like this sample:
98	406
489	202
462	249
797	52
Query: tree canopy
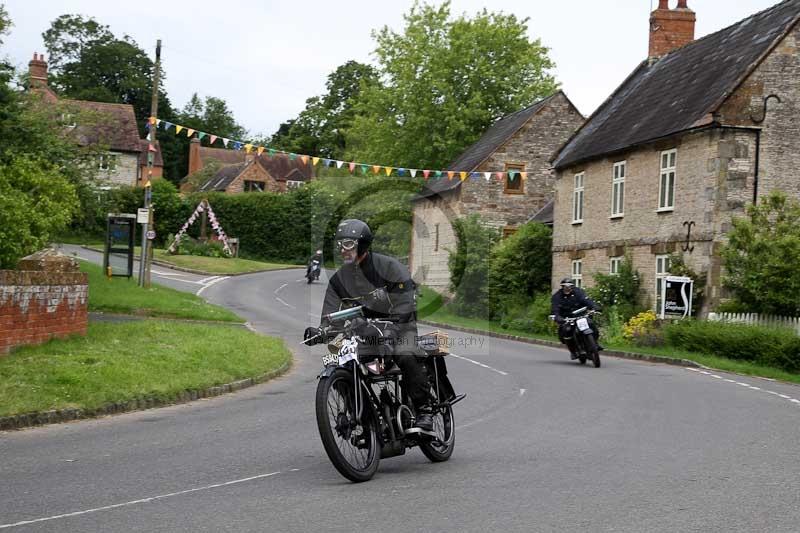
443	82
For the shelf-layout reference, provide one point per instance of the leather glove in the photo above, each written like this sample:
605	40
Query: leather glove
315	334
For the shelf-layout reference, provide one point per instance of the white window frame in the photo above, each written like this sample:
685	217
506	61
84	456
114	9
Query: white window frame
662	271
107	162
666	181
578	197
68	120
614	264
577	272
293	184
618	189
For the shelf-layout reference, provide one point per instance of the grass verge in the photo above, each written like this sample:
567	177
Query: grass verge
124	361
431	307
123	295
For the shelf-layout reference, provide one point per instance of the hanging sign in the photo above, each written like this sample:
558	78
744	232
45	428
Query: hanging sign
676	297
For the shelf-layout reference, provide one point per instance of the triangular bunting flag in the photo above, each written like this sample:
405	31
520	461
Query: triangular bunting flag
225	142
326	162
152	120
463	176
512	174
237	145
292	156
271	152
178	129
500	175
340	163
388	170
450	174
351	165
247	148
364	169
304	159
167	125
401	171
259	150
524	175
487	176
413	172
158	122
151	147
426	173
438	174
376	169
212	139
200	135
314	161
189	132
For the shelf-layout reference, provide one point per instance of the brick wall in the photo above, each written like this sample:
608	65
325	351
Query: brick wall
45	298
125	172
254	172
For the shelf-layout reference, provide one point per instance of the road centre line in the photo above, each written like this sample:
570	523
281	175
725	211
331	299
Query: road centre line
747	385
136	502
479	364
279	288
284	303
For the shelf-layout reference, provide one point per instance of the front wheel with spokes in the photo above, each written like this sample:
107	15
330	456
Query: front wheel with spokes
351	445
440	447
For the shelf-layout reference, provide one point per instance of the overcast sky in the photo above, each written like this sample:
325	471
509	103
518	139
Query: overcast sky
264	58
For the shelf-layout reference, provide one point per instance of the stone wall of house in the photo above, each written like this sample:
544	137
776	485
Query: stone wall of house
532	146
714	179
429	254
125	170
253	172
45	298
777	75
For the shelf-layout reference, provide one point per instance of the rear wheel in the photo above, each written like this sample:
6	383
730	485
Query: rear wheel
440	447
351	446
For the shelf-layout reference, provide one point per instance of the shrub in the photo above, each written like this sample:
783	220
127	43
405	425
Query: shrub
643	330
519	266
469	266
620	290
533	317
776	347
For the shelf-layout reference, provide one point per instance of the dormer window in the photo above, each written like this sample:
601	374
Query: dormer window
293	184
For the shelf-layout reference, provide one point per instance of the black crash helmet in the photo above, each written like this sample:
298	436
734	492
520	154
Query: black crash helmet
353	232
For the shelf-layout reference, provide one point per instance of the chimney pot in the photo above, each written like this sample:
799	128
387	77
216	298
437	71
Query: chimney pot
682	4
663	4
670	28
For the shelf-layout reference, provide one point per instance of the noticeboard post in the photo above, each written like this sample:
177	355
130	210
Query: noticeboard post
676	297
120	233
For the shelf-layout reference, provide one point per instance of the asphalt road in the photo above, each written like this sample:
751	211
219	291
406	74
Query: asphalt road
542	444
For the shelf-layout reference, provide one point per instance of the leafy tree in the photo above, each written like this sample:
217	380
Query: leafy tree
469	266
67	37
519	267
762	255
620	291
36	201
444	82
321	127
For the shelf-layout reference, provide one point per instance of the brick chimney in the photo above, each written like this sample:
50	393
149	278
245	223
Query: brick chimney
37	71
670	28
195	163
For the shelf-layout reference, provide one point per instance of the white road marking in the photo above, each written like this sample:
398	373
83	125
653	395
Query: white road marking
160	273
751	387
206	280
279	288
284	303
212	281
136	502
522	391
479	364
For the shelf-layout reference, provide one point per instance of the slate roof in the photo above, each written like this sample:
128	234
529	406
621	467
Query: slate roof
282	168
679	91
223	155
544	215
223	177
115	126
498	133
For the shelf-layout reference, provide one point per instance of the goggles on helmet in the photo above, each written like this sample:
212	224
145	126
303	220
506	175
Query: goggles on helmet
347	244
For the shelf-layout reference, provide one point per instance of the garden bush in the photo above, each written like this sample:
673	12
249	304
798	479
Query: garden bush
469	266
776	347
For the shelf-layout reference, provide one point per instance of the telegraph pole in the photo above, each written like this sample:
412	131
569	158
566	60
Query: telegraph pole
147	252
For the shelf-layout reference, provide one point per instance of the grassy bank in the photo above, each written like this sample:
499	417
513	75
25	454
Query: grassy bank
119	362
124	296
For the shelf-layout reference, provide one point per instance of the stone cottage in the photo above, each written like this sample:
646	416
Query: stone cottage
699	130
113	126
523	142
243	172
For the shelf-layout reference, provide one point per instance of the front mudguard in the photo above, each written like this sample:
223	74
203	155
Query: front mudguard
327	371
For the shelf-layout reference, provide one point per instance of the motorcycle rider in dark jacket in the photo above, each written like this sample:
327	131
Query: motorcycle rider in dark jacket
318	257
566	300
384	287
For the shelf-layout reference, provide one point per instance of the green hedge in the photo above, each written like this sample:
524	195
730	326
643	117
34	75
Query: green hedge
775	347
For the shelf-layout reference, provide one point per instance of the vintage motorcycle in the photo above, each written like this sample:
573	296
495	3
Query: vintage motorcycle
363	413
578	327
313	271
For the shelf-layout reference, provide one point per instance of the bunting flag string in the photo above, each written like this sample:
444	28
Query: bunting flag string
215	225
352	166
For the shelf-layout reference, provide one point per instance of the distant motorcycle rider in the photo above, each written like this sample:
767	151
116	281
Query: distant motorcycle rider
384	287
316	257
566	300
